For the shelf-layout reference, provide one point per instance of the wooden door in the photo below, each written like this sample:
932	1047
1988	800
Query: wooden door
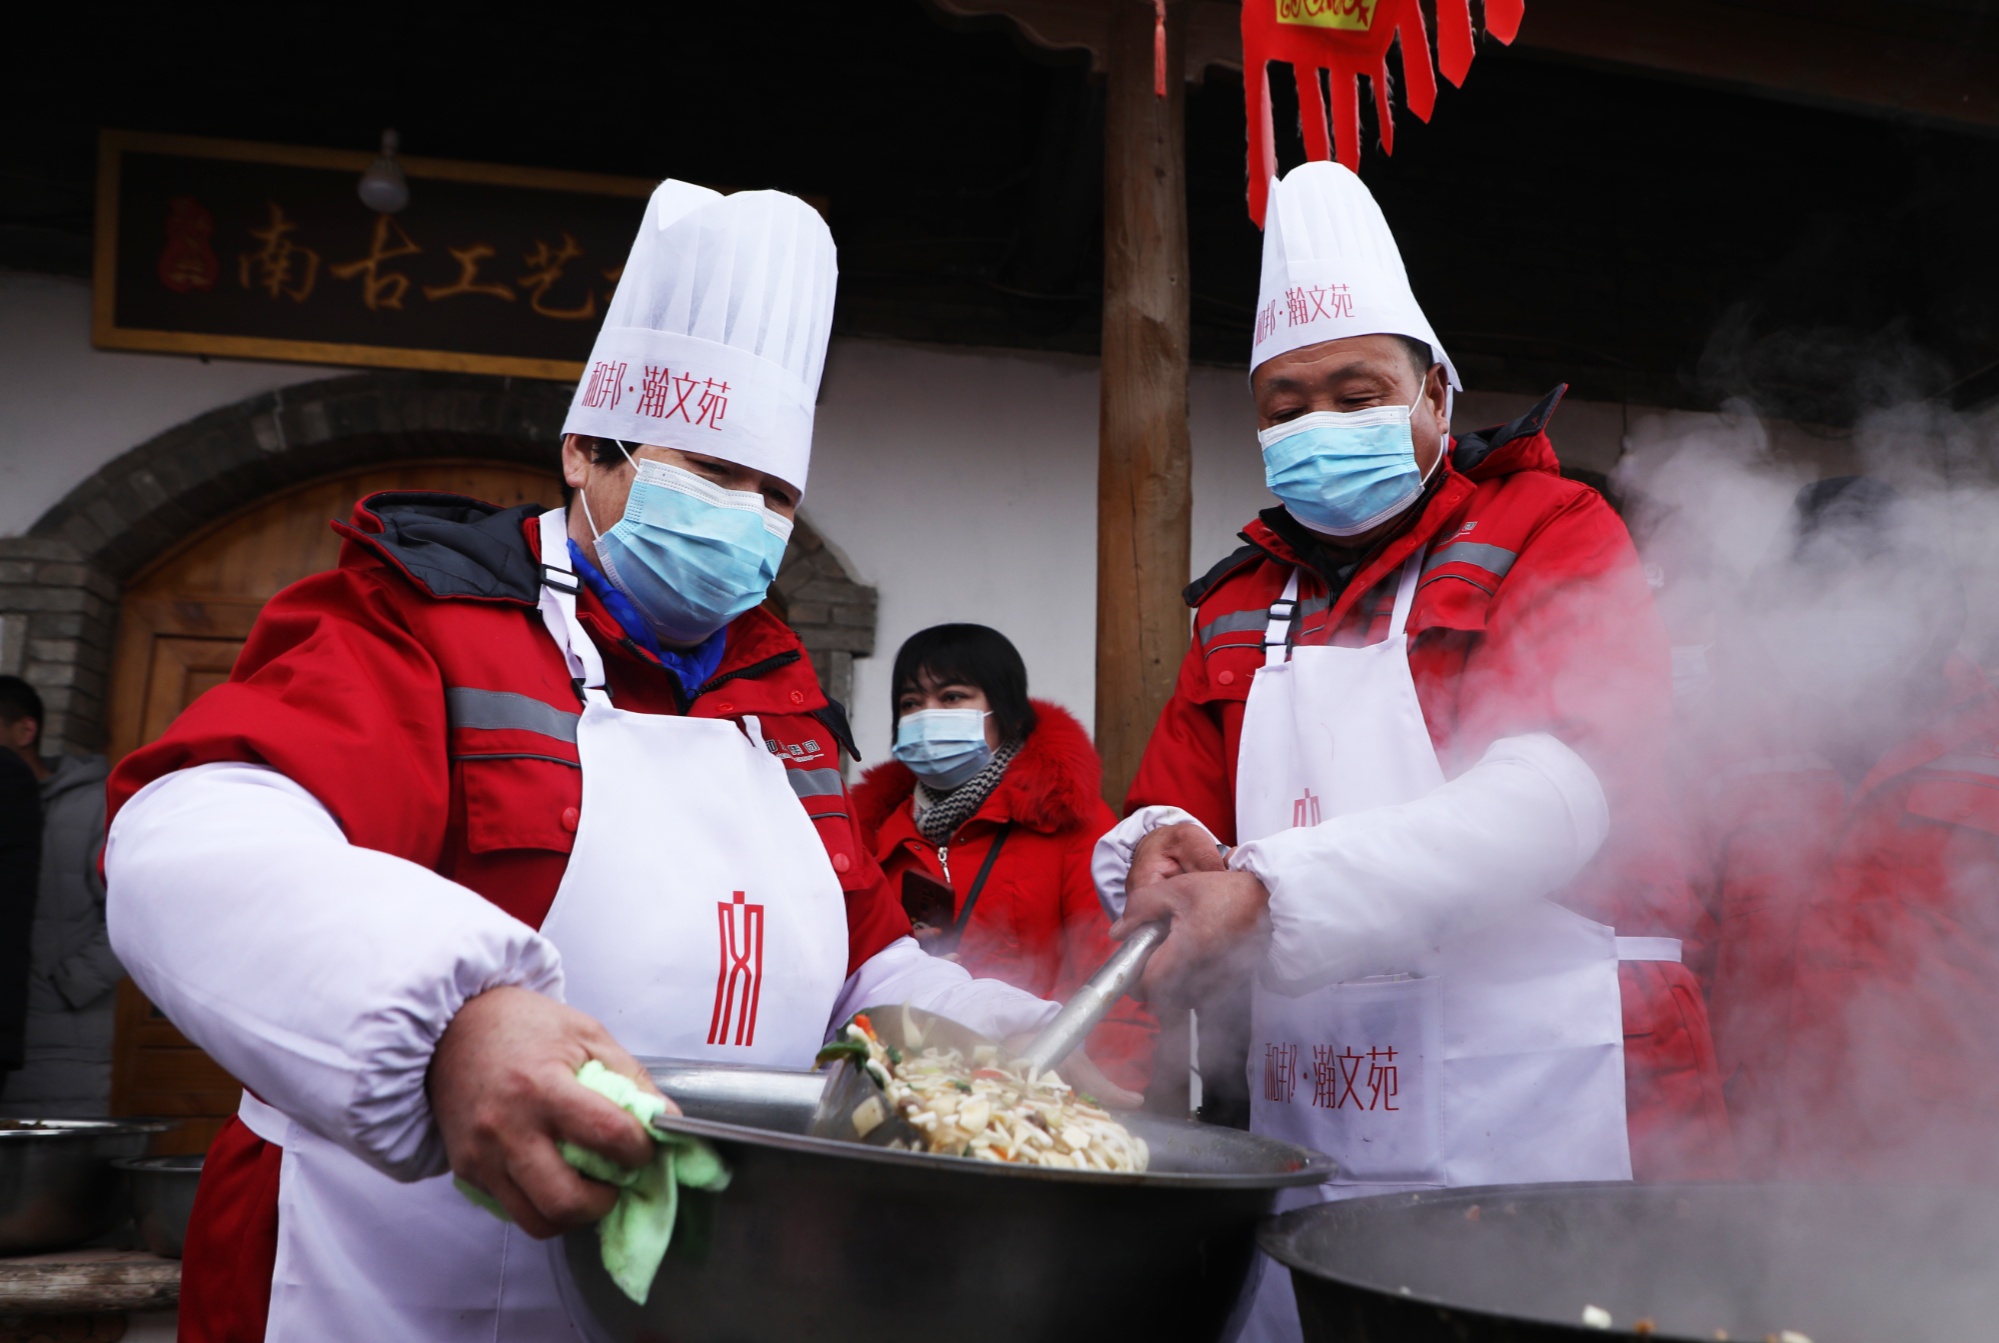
182	623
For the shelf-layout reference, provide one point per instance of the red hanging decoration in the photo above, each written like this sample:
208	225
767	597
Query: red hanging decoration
1348	39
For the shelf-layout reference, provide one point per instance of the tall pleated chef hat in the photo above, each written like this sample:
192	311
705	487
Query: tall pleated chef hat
1331	269
716	335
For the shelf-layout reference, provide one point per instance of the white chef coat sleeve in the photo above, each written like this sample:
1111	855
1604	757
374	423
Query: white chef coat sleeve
318	973
1369	892
903	972
1110	861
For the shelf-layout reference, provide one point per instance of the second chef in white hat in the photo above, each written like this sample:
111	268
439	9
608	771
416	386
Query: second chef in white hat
507	791
1409	784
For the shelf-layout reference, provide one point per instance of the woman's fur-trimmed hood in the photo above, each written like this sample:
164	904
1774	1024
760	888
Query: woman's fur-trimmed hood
1051	786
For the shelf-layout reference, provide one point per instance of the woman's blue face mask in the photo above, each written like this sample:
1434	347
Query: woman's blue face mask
689	554
1342	473
943	747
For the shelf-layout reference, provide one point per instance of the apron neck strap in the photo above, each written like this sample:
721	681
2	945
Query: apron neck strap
1283	611
1277	633
559	586
1405	593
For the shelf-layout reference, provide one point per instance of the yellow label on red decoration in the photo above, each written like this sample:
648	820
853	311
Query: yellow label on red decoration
1353	16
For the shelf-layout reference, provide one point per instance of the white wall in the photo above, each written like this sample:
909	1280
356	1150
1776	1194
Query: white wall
960	482
66	409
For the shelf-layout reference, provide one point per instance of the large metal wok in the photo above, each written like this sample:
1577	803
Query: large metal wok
1834	1264
829	1241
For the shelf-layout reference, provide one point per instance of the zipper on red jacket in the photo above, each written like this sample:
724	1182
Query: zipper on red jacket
771	663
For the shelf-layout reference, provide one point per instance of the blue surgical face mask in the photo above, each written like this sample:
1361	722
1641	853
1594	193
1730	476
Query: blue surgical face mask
1342	473
943	747
689	554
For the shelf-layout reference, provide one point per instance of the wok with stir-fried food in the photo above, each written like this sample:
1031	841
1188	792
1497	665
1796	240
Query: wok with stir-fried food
977	1102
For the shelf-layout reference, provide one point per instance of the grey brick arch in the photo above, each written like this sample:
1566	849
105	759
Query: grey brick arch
60	584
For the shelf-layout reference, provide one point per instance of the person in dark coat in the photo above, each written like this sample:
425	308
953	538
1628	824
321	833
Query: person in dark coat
20	860
72	974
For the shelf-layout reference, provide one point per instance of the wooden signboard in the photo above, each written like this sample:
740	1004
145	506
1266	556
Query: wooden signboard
266	252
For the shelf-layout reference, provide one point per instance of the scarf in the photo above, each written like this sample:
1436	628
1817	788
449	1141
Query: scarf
938	815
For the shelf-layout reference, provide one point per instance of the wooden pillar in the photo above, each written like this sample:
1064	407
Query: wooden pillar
1143	492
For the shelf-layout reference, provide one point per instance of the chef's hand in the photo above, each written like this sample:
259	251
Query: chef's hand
1220	930
503	1087
1083	1075
1170	851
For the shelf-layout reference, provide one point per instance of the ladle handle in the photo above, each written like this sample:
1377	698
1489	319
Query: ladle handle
1092	1002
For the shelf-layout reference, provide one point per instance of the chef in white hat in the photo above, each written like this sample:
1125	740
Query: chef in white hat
507	791
1407	783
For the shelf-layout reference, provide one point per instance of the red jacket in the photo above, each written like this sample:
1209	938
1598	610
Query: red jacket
1856	1003
345	686
1533	615
1038	924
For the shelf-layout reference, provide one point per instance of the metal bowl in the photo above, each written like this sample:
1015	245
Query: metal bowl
57	1184
1519	1264
162	1199
832	1241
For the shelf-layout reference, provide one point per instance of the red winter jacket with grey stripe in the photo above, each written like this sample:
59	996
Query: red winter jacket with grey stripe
415	693
1532	616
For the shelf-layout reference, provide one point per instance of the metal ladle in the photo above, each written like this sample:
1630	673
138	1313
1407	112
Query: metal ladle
852	1094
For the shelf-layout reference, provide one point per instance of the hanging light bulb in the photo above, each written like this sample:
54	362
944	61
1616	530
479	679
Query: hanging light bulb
383	187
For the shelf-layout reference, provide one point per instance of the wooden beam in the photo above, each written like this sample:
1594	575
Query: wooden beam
1214	28
1143	493
1925	62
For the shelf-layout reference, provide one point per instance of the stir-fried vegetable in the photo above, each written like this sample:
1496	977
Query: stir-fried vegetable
988	1108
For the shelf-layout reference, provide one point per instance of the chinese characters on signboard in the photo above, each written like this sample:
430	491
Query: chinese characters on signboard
266	252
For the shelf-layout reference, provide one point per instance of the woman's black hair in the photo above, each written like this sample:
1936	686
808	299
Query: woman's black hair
973	655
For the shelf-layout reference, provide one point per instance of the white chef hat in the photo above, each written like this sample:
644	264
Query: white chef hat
716	334
1331	269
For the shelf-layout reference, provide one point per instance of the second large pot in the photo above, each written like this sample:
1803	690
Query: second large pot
57	1185
1521	1264
833	1241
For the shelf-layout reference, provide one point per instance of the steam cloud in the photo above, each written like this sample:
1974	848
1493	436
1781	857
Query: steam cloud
1837	774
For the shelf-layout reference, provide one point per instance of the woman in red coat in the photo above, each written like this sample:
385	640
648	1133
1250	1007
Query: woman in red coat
985	822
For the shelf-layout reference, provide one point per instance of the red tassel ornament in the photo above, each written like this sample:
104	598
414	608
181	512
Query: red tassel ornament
1346	39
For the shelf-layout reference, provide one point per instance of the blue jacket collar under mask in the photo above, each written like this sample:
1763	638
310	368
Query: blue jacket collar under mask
1343	472
943	747
690	555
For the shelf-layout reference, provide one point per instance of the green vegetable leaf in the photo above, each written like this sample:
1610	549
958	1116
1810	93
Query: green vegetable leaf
842	1049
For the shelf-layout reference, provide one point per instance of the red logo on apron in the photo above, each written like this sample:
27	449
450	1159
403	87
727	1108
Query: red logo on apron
739	980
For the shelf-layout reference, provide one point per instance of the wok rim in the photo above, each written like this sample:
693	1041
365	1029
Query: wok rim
1277	1235
1314	1167
1275	1238
178	1163
52	1130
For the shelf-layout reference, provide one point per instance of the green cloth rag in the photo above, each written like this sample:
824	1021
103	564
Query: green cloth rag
636	1232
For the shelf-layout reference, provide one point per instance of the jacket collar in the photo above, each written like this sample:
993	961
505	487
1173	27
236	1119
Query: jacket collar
459	549
757	647
1470	460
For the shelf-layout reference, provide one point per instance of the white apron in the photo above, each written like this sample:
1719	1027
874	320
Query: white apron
699	918
1497	1059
